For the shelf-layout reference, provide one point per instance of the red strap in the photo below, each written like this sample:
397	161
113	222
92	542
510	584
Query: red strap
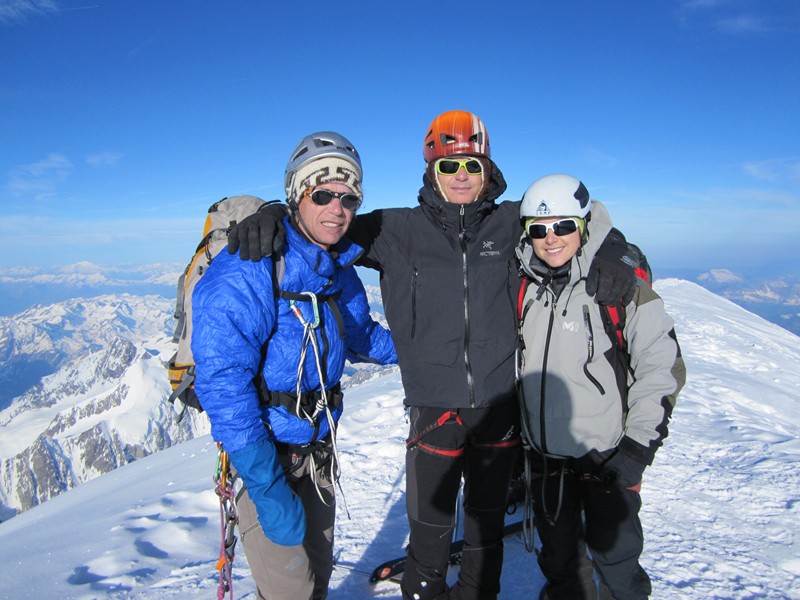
613	314
441	451
445	417
523	285
504	444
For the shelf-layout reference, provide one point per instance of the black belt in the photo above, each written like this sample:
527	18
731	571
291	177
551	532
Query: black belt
308	400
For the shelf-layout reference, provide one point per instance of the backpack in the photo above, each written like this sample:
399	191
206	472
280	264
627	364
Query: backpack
222	216
613	315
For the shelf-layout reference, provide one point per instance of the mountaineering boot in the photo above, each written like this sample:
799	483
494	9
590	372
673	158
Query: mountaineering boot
423	583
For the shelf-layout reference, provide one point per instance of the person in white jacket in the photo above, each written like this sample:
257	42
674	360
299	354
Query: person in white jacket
593	414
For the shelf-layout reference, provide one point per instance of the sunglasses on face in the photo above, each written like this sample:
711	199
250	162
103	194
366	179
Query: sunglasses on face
538	231
323	197
451	166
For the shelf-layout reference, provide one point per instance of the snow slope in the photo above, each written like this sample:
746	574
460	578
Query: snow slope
721	503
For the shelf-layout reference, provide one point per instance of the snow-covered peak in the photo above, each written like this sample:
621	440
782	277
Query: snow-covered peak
39	340
92	387
720	510
720	276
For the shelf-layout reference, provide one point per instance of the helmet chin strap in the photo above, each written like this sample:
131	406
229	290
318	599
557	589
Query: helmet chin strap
294	216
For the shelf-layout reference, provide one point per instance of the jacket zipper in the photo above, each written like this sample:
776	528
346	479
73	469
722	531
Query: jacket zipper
463	241
414	303
542	390
587	326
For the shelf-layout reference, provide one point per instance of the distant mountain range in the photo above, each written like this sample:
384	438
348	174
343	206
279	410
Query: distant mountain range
83	389
776	298
22	287
83	385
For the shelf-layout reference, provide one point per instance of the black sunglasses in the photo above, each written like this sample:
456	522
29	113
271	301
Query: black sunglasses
451	166
324	197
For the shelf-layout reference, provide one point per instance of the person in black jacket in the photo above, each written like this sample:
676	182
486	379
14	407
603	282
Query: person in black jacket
449	284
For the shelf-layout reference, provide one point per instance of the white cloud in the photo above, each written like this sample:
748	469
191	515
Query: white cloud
774	170
702	4
17	272
39	179
103	159
753	200
762	170
20	10
743	24
86	273
74	237
776	199
730	16
57	163
599	158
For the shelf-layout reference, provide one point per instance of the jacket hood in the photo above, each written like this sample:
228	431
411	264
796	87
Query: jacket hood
447	215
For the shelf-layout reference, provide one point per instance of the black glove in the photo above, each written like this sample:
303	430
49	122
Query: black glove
623	469
610	277
260	234
592	463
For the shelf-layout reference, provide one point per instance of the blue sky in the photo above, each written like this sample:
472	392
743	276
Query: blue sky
122	120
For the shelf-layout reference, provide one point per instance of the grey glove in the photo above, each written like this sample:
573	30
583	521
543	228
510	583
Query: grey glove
260	234
610	277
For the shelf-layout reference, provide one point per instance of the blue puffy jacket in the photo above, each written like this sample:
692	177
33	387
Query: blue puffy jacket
235	314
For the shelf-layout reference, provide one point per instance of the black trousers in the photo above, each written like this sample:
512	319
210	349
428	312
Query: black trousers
479	445
581	512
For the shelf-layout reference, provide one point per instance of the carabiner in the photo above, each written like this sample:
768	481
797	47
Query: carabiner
299	314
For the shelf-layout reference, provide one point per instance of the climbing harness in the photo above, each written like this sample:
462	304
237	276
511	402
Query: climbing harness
322	404
446	417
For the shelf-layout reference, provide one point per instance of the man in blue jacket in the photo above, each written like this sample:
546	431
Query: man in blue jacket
269	360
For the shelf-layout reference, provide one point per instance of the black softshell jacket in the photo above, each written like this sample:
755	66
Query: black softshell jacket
449	282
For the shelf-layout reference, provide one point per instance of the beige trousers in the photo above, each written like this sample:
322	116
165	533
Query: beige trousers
294	572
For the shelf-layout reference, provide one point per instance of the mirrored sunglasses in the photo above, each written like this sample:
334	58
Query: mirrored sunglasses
538	230
451	166
322	197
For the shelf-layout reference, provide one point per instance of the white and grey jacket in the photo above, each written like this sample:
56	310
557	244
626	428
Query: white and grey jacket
576	395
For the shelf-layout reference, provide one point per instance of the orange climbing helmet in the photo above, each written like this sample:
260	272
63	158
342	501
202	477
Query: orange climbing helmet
456	132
